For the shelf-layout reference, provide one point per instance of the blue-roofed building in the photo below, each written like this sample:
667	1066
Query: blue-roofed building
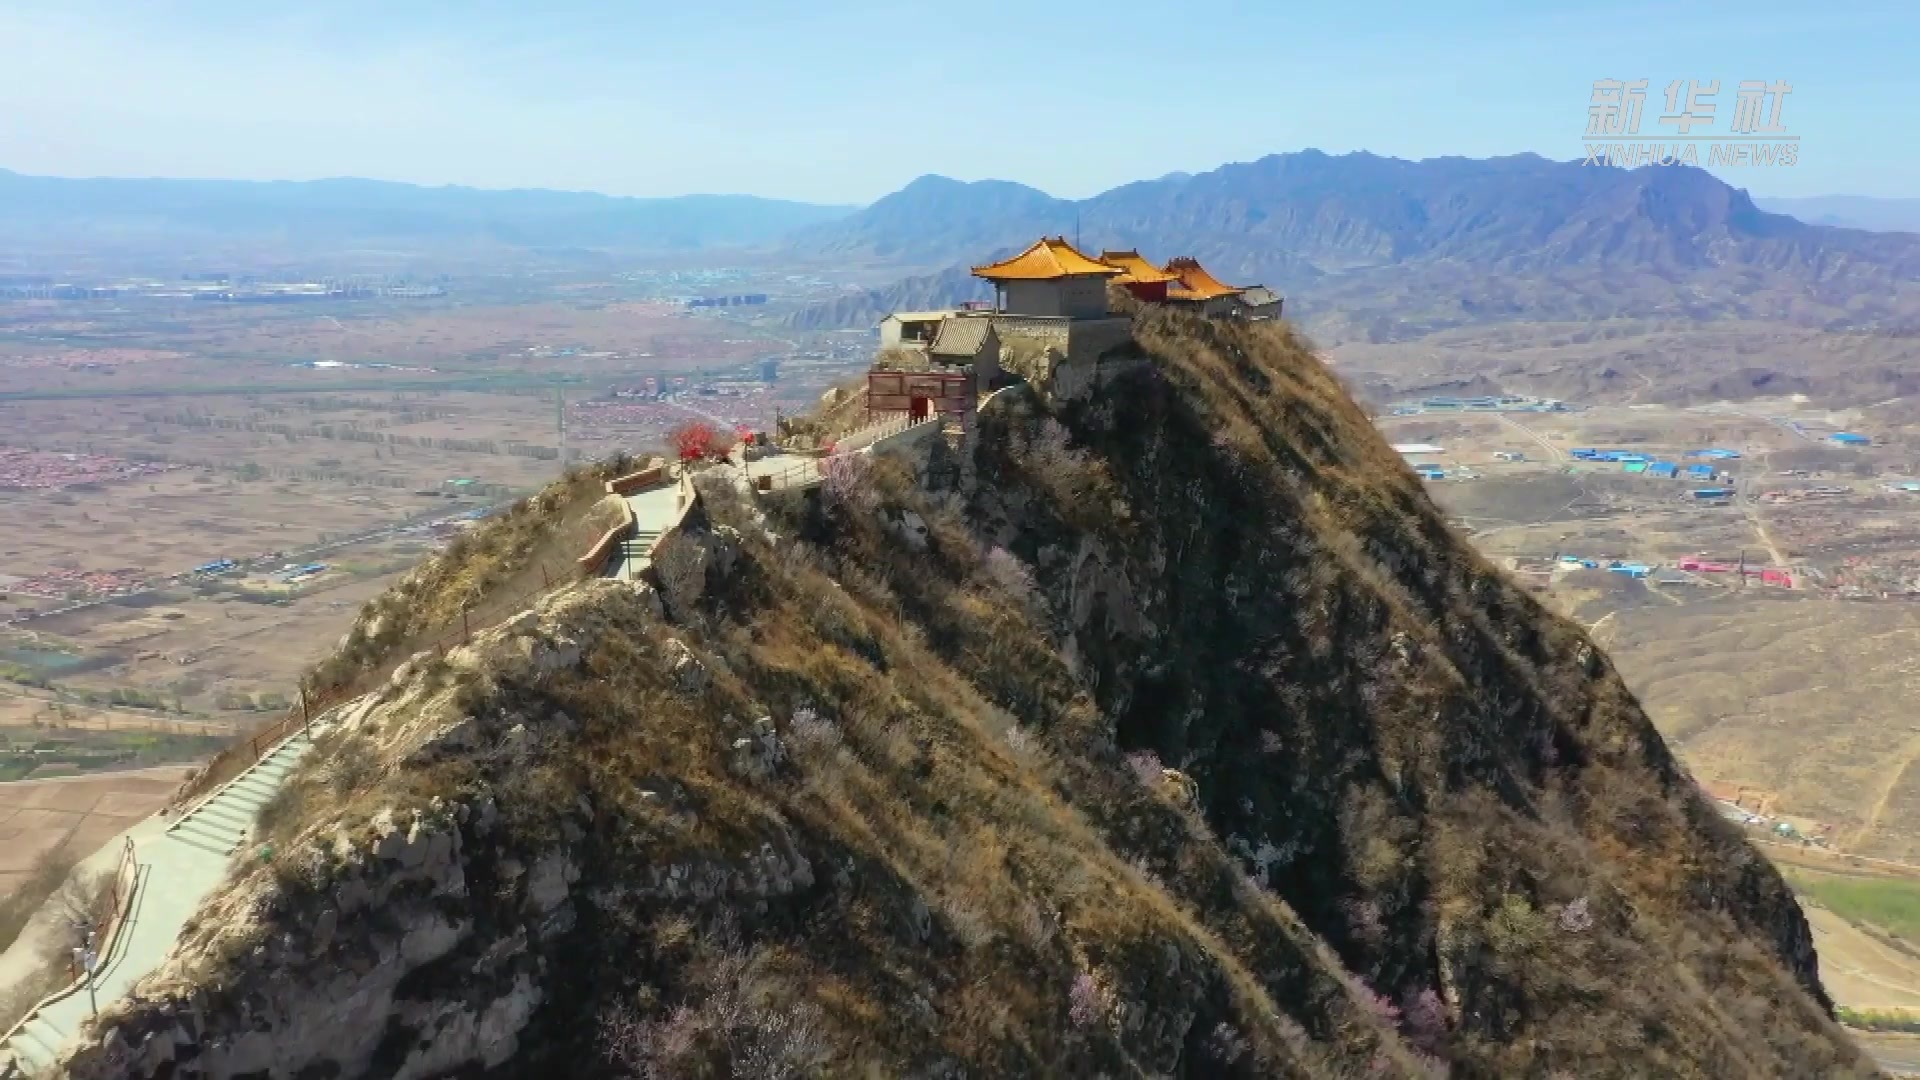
1702	472
1848	438
1713	493
1665	469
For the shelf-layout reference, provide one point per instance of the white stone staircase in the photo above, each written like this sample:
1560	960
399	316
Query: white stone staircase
34	1045
655	511
176	871
634	554
222	822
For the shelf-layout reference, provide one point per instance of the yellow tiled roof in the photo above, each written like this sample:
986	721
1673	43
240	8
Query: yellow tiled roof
1195	282
1134	269
1049	258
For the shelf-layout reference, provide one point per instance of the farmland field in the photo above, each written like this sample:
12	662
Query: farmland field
310	455
1791	695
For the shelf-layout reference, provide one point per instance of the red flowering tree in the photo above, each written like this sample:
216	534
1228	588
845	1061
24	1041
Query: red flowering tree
696	440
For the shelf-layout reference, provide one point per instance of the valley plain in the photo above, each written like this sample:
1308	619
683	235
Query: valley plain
214	439
321	449
1784	688
199	497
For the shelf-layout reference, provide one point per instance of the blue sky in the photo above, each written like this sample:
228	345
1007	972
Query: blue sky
845	100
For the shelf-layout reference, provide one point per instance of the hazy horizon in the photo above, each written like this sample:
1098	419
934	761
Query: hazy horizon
847	101
1759	195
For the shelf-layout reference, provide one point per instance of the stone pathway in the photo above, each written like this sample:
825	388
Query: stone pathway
784	470
804	470
178	868
654	512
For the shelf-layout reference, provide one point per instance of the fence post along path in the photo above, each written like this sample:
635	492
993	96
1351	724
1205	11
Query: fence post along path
162	880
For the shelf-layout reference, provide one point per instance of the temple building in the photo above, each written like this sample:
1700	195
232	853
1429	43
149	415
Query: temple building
1147	282
1051	280
1200	291
1259	303
942	377
1050	324
970	344
911	329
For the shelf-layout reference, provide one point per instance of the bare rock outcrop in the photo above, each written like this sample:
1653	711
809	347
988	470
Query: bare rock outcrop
1170	733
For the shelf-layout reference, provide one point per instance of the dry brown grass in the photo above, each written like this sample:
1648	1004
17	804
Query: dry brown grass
511	556
1430	826
72	901
44	879
847	412
1805	699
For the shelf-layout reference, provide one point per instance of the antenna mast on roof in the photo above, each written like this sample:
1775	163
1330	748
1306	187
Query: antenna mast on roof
1076	229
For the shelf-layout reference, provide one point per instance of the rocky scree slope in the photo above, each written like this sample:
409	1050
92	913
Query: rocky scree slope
1168	732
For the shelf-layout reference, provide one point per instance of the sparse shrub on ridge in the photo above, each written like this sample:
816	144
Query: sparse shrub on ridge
696	440
1228	568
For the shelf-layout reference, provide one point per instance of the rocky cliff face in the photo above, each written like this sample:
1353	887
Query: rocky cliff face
1162	731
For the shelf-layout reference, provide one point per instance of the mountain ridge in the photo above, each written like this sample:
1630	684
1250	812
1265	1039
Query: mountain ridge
329	213
1162	727
1867	212
1433	243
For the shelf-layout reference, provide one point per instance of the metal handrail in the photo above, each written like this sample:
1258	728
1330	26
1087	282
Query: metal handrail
241	756
107	940
811	470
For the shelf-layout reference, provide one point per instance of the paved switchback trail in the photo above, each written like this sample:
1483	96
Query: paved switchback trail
1553	452
1904	761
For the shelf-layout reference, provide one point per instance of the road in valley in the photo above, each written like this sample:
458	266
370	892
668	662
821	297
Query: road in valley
1553	452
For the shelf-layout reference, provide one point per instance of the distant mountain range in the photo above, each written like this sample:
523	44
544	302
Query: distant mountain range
1850	211
56	213
1365	247
1382	249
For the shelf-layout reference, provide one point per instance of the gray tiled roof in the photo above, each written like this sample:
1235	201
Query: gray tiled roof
961	338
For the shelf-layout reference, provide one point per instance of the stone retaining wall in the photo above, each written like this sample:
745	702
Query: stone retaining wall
595	560
636	481
1070	337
